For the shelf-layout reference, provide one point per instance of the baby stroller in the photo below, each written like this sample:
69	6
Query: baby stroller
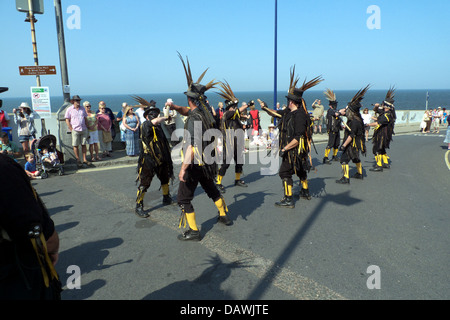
48	143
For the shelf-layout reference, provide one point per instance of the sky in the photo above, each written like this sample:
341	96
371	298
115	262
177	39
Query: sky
129	47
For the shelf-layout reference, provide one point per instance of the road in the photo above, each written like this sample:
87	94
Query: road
394	222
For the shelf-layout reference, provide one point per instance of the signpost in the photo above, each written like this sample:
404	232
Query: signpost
40	99
37	70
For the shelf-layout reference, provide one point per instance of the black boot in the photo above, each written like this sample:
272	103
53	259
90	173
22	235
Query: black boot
139	211
240	183
224	220
335	158
326	160
386	166
304	194
376	169
221	188
190	235
167	200
358	176
286	202
343	180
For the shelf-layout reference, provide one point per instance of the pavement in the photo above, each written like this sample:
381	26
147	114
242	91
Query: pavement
327	248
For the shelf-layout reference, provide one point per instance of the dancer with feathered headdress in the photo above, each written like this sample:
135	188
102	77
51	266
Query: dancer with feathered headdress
197	166
383	131
354	137
334	127
295	139
233	138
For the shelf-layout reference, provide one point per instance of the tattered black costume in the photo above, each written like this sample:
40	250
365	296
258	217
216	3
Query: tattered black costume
203	170
233	138
294	125
354	128
334	127
383	132
154	159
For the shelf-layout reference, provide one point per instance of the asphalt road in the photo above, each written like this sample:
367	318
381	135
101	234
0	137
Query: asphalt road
394	222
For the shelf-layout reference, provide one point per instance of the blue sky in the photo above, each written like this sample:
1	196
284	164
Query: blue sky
128	47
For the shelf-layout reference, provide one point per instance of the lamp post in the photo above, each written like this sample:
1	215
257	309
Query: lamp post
275	58
30	18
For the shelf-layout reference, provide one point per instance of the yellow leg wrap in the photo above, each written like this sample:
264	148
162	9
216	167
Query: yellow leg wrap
327	152
345	170
140	196
385	158
378	158
238	176
191	221
287	189
359	167
220	204
165	189
304	184
335	152
219	179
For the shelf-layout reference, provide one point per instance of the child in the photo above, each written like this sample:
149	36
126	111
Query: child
49	157
30	167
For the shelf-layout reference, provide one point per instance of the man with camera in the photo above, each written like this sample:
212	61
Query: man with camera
318	111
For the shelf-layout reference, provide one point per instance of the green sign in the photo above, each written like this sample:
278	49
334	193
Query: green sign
38	6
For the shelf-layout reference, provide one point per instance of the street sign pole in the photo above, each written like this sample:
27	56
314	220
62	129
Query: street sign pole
35	56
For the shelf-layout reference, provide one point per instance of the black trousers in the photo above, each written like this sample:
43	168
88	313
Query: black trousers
334	140
350	154
237	160
147	174
287	171
186	190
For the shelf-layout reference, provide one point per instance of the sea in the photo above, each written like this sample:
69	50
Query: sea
404	99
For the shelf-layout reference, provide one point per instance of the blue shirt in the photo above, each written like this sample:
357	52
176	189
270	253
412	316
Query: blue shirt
30	166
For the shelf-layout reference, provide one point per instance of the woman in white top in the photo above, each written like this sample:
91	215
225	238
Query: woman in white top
25	126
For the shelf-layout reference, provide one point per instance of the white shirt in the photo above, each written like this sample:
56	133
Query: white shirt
140	113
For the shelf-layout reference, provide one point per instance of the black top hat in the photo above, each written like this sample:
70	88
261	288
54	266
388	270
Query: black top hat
76	98
295	95
153	111
355	103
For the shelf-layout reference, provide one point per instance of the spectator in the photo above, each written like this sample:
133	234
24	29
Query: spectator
435	120
110	113
50	157
428	118
447	136
444	116
29	243
25	125
119	119
140	113
104	130
219	112
318	115
170	123
132	124
30	166
76	122
255	121
7	147
367	120
4	119
92	125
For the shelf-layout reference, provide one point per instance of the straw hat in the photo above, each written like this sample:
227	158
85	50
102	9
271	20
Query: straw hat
24	105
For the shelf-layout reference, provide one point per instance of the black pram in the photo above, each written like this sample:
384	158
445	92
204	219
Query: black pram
52	160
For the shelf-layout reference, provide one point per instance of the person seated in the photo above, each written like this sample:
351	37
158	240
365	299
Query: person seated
7	147
30	167
49	157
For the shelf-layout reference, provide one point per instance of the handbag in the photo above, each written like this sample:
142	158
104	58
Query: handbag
122	127
107	136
